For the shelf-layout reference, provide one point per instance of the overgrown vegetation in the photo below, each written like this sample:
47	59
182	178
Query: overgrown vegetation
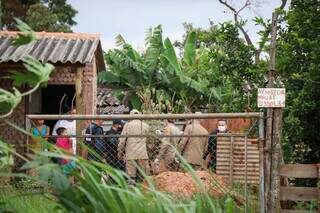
216	70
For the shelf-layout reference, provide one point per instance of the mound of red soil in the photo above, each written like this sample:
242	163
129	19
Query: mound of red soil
182	185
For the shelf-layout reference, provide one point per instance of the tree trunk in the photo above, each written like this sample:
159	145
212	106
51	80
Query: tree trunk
273	134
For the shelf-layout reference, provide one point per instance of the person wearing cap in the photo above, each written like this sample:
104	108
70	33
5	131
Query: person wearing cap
133	150
112	145
193	148
168	145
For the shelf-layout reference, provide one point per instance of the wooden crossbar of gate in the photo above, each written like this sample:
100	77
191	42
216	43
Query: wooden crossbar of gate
293	193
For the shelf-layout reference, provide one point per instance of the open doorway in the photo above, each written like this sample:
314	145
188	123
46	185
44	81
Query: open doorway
51	97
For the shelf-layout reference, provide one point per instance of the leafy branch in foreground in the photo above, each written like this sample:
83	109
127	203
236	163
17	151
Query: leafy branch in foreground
101	188
36	74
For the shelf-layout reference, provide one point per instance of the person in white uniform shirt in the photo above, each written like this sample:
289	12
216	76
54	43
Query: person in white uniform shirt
70	125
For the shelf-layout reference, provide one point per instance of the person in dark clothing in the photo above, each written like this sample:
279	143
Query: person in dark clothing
96	144
212	144
112	145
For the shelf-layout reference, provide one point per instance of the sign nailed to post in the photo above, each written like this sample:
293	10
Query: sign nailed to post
271	97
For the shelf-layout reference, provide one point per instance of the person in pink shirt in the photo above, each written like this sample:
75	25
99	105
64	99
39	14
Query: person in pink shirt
65	143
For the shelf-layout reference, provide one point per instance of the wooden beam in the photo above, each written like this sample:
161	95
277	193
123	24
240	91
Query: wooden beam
80	106
148	116
299	193
299	171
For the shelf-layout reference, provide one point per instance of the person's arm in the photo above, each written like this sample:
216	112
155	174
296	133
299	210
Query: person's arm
71	148
206	148
56	126
32	140
87	143
184	140
122	143
47	133
164	143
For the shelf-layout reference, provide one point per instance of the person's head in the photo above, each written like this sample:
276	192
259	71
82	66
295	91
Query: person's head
62	131
134	112
39	122
197	120
99	122
72	111
222	125
116	124
170	121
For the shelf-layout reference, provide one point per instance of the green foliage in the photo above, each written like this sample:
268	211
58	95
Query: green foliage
26	36
216	71
41	15
9	100
101	188
190	48
227	64
158	69
36	74
6	158
17	200
298	64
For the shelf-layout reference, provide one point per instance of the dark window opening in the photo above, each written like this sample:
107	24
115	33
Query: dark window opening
51	97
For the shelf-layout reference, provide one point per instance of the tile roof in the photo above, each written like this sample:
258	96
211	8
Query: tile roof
109	104
52	47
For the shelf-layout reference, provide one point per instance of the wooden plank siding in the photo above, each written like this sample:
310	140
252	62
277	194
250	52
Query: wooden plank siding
231	159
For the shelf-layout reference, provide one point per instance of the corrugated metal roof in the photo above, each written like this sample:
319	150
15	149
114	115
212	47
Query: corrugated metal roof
52	47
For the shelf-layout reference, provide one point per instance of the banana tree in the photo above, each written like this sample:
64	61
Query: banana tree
157	71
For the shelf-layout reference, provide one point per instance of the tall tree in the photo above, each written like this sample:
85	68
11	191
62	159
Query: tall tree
298	62
229	65
41	15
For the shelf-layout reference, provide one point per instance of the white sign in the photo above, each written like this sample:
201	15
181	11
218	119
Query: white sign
271	97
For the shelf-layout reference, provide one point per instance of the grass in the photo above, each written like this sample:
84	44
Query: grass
20	200
90	194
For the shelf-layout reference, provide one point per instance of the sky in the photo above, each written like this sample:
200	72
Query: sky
132	18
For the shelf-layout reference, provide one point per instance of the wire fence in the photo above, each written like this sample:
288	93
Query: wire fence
148	144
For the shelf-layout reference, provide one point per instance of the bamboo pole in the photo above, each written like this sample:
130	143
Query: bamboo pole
146	116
